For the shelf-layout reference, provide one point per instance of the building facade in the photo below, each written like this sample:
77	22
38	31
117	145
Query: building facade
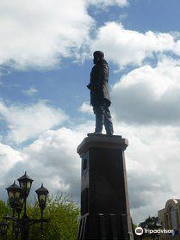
169	217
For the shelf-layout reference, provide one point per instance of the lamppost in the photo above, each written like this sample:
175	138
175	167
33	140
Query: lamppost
14	193
42	193
18	201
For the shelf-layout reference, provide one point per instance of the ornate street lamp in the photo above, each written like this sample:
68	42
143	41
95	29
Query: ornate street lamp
14	193
42	193
25	183
18	198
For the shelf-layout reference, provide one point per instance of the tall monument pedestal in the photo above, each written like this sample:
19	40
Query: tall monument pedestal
104	196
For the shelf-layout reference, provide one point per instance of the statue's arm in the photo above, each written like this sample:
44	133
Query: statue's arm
90	86
103	75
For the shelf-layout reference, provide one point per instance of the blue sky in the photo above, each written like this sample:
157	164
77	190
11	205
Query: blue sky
45	62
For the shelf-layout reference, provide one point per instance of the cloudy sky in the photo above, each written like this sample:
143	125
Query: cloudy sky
45	60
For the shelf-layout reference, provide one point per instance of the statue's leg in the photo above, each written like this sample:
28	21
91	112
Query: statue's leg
99	118
107	118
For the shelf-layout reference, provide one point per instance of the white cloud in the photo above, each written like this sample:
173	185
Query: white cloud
126	47
31	91
51	159
149	95
54	154
107	3
86	108
35	34
39	34
27	122
152	160
8	159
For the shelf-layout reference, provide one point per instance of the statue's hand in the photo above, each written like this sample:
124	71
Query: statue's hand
89	86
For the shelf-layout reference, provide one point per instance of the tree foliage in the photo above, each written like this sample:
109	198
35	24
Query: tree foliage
3	208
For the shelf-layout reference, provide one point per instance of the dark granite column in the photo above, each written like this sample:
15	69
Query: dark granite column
104	196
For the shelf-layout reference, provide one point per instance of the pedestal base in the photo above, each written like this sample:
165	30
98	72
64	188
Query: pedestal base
104	196
104	226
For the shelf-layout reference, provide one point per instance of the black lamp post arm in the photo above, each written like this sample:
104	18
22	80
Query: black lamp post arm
34	221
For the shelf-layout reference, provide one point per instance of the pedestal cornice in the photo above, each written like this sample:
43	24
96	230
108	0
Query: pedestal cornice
102	141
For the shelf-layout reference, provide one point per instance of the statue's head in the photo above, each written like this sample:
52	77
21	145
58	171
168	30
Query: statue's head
98	55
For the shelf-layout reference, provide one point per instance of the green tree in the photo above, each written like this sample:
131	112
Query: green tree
3	208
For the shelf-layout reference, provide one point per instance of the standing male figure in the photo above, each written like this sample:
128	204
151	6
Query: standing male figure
100	99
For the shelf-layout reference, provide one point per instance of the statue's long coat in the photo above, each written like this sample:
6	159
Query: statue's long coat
99	83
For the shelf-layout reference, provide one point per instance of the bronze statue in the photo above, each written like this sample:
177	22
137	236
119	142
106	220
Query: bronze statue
100	99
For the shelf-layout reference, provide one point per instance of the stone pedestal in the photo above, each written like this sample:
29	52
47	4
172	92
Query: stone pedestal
104	197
